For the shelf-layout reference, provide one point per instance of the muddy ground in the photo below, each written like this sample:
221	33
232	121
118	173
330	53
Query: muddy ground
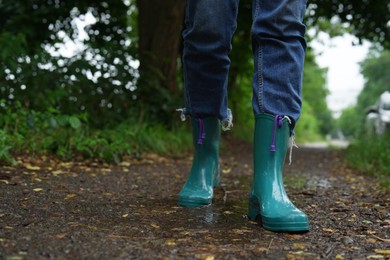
85	210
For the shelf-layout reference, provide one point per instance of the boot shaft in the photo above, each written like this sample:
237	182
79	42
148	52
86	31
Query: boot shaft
206	135
271	139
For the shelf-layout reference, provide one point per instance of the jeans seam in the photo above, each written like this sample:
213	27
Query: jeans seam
260	77
257	8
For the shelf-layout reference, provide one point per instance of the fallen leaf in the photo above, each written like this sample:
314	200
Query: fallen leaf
15	257
118	236
209	258
375	257
38	189
382	239
154	225
33	168
299	245
241	231
70	196
126	164
125	215
298	253
227	170
56	173
167	212
170	243
381	251
329	230
60	235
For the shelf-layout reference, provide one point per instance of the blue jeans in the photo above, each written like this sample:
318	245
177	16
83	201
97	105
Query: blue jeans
278	50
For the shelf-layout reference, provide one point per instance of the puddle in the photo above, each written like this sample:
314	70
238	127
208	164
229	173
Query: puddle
317	182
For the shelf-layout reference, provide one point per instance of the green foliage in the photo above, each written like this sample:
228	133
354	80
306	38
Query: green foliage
371	155
241	104
7	142
240	75
99	78
367	152
307	128
350	122
70	136
365	19
11	46
314	95
375	70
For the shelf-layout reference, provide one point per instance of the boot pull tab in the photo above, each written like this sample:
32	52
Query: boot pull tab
278	122
202	134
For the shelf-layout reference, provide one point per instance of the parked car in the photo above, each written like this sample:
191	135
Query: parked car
378	116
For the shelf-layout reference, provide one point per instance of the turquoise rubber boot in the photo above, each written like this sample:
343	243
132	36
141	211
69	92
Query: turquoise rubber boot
204	175
267	198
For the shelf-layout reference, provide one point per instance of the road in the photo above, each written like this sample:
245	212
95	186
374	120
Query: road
89	210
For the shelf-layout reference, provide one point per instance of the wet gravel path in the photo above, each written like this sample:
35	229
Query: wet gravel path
83	210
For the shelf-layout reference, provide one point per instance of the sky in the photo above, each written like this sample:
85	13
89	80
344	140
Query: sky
342	58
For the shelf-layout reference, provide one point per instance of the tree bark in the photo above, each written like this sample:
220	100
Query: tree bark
160	24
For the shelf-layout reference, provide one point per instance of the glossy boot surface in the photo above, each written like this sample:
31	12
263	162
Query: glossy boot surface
204	174
268	199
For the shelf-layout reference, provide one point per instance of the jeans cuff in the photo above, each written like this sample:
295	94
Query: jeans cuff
226	123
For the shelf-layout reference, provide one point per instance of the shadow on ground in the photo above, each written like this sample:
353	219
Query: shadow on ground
85	210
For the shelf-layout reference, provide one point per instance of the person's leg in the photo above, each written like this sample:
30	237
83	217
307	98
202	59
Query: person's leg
279	50
209	27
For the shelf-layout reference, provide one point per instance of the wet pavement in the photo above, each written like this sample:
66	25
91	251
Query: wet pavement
84	210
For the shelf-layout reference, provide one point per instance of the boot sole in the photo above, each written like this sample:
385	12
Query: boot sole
278	225
293	227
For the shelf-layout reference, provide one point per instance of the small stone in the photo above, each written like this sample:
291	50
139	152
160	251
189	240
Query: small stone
347	240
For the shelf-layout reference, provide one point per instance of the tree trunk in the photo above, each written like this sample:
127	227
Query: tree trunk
160	24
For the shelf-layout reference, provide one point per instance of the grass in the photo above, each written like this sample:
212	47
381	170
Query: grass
371	155
69	137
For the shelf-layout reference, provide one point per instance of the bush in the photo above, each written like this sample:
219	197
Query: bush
68	136
371	155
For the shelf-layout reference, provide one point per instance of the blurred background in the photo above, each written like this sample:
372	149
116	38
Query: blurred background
102	79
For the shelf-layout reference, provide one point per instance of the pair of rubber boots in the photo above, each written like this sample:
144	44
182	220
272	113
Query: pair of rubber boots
267	199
